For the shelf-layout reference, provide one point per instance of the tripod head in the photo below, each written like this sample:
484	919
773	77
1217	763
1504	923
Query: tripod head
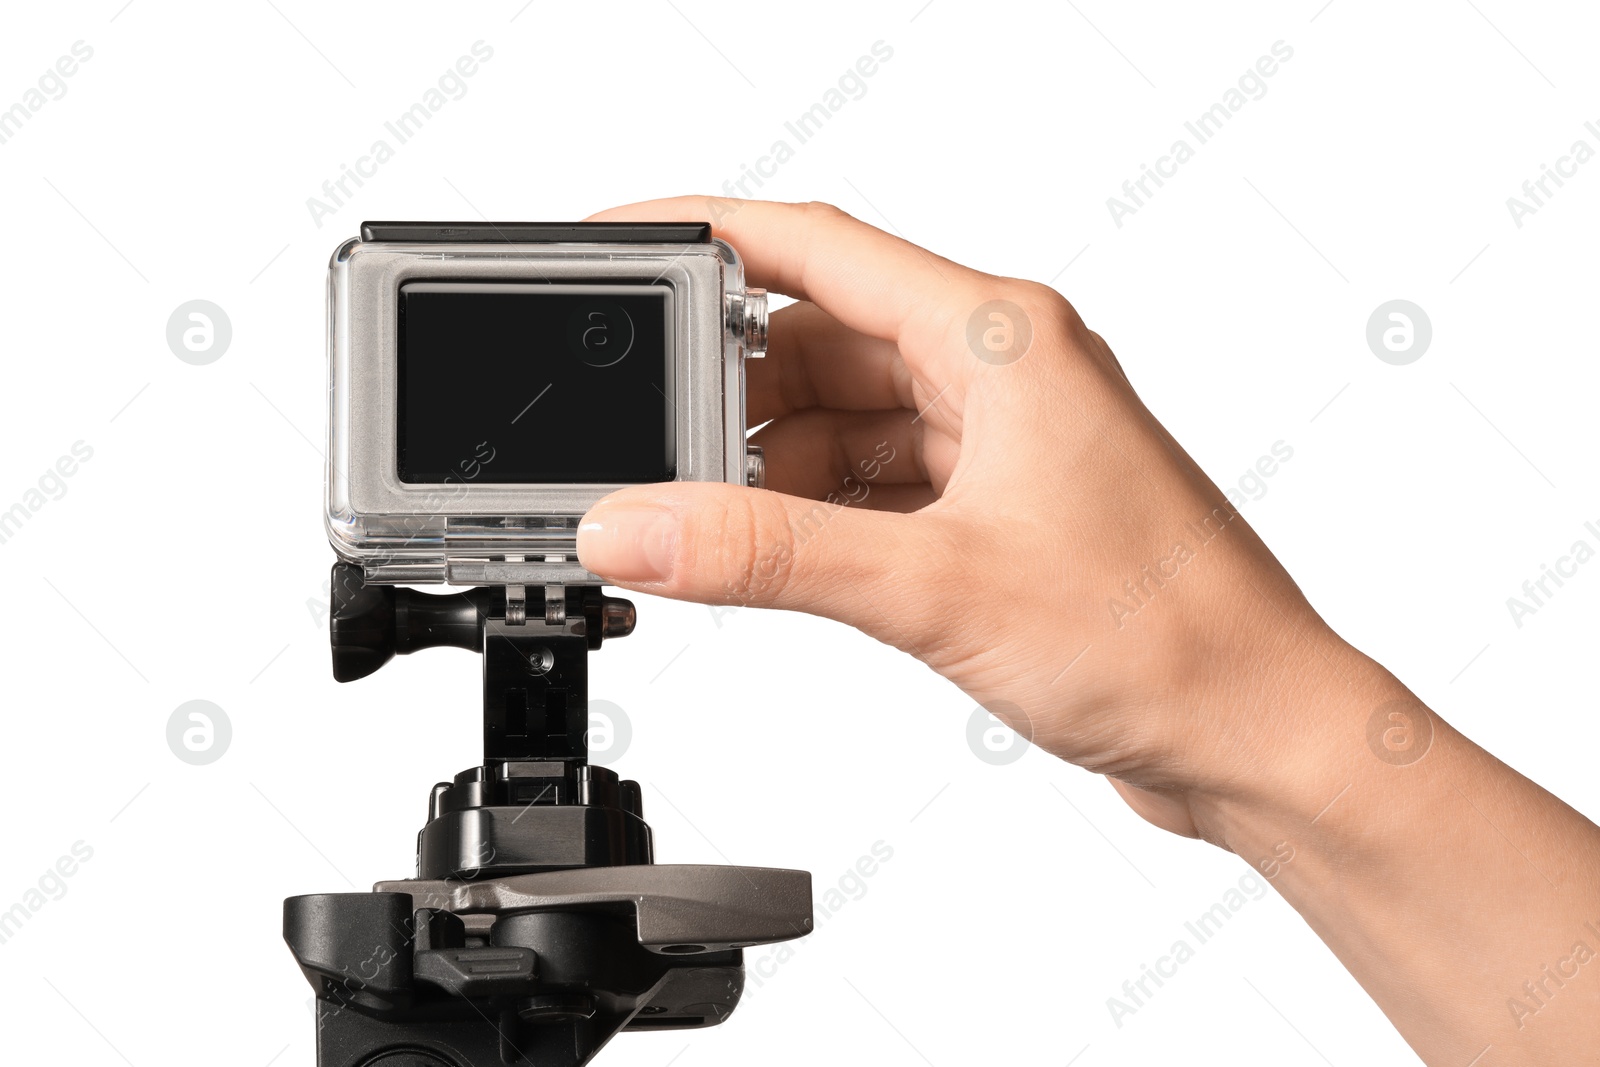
537	925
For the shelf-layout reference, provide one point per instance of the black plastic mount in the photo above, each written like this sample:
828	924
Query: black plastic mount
651	233
535	804
535	663
538	925
400	984
398	987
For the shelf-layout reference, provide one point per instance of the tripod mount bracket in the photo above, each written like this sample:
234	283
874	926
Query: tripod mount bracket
538	925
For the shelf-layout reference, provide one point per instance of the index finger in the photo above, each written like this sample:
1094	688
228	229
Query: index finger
875	283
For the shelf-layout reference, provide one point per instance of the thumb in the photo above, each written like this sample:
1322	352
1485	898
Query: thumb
727	544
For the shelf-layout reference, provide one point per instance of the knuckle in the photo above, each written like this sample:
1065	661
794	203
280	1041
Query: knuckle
822	210
1053	319
1043	303
759	547
1031	311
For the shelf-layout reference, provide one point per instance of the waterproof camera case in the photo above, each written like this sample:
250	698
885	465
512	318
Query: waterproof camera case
489	382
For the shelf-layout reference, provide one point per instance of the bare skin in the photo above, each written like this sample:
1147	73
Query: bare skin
1464	897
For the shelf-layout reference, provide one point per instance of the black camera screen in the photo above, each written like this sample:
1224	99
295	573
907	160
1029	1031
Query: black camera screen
515	383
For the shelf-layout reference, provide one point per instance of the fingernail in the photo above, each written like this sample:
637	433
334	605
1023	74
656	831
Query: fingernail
629	544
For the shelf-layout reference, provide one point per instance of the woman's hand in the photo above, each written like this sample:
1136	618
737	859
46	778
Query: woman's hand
997	502
958	466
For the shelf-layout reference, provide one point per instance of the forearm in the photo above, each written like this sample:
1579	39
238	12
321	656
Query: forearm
1463	897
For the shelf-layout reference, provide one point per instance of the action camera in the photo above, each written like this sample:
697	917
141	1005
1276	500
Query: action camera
491	381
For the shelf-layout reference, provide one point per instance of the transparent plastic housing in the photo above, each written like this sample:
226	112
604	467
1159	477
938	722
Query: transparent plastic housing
477	531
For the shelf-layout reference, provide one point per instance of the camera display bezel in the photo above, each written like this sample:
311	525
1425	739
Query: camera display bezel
532	353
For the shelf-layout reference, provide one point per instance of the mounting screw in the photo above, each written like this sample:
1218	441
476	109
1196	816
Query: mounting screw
540	660
747	318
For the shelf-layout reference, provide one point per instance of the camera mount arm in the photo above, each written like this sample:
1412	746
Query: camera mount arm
535	651
537	926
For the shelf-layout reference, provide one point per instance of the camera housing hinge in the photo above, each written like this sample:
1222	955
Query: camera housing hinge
516	599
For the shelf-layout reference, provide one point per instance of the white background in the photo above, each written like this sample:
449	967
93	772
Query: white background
185	559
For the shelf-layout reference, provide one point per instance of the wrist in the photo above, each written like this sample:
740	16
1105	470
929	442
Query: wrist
1310	718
